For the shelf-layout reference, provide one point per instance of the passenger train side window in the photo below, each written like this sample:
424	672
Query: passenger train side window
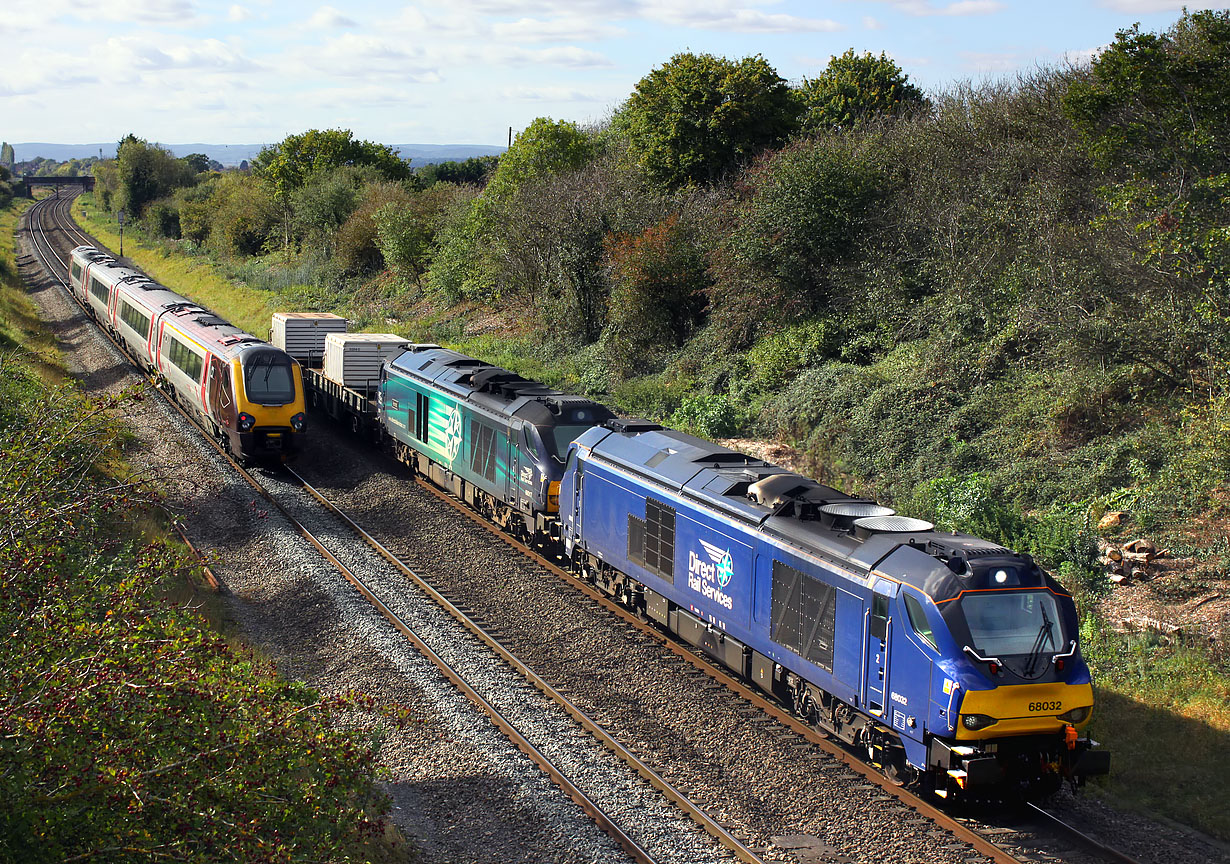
99	290
134	318
651	541
804	614
918	620
185	359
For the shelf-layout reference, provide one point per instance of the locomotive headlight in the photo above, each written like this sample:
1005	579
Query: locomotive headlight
974	722
298	422
246	421
1076	715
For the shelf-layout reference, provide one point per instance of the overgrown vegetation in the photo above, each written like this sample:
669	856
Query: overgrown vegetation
1003	307
130	731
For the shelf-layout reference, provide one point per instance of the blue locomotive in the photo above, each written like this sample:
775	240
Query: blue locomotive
950	659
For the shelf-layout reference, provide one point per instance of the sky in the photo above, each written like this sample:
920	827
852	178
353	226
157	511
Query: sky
465	71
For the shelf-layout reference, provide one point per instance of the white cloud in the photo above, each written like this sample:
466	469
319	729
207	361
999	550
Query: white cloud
238	13
870	23
354	56
720	16
569	56
328	18
922	8
142	11
140	54
554	30
547	94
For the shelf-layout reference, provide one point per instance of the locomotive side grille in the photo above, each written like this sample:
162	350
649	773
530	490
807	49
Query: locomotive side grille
804	615
651	541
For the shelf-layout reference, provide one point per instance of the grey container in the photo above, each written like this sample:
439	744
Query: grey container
302	334
354	359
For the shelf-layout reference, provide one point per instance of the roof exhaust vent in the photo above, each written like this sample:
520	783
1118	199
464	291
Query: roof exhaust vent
868	525
841	515
777	489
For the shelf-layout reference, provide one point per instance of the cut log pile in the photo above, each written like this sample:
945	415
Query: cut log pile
1131	560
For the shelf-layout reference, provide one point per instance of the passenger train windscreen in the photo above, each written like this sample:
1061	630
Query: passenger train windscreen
267	378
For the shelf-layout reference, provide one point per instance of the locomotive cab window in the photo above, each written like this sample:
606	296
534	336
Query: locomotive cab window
918	620
1006	623
557	438
268	378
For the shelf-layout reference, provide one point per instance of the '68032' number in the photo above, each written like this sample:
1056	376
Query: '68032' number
1045	706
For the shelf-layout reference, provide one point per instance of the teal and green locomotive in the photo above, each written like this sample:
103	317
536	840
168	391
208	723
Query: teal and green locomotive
487	435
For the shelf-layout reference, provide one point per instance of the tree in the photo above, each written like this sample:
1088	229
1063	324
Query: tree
146	172
699	117
325	201
199	162
1152	114
1154	104
807	212
855	88
406	234
474	170
7	158
288	164
244	216
657	279
473	245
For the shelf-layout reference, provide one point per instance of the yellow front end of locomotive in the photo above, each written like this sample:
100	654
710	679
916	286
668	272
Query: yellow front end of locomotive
1024	709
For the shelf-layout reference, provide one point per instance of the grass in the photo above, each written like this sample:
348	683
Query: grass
20	326
194	277
1163	710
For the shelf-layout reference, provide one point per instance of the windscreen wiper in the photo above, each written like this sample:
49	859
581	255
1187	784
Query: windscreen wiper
1044	636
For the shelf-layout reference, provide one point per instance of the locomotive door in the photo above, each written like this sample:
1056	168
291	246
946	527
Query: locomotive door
879	626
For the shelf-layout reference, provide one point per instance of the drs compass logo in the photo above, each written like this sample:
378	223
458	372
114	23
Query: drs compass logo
724	564
452	434
708	577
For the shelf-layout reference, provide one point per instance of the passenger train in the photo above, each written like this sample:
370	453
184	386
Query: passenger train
244	391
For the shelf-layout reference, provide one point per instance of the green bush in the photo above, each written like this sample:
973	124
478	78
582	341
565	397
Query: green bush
709	415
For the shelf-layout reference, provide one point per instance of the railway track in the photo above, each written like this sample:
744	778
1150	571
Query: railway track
49	256
56	212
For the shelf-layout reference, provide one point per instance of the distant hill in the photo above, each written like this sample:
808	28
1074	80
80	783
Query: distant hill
233	154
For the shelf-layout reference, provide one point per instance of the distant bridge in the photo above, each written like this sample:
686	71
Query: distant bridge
29	181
